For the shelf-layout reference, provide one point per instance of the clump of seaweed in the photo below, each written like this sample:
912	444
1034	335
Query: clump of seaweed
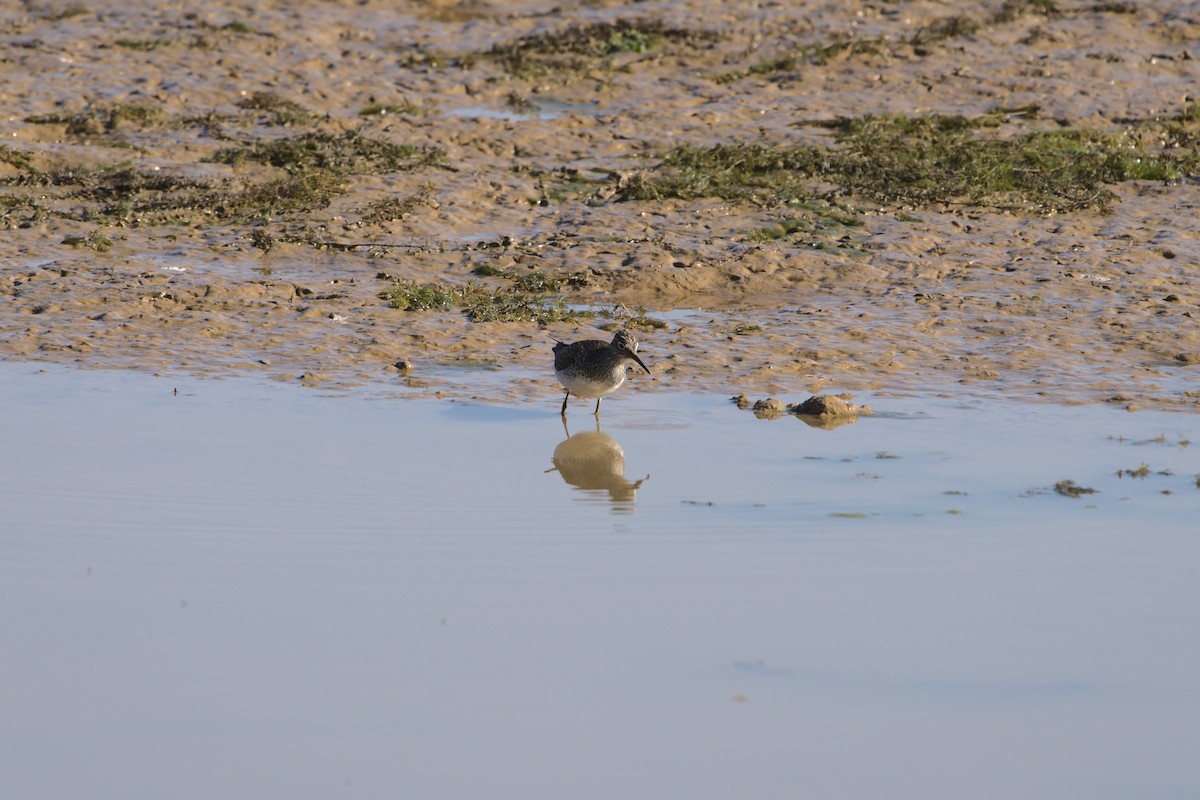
479	303
233	26
768	173
144	44
1140	471
392	208
349	153
21	211
20	159
641	319
101	120
923	161
93	241
770	66
1069	488
529	281
277	110
262	239
305	192
315	166
112	183
579	47
488	305
411	296
130	196
946	28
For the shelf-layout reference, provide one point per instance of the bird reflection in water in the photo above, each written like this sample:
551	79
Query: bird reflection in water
593	462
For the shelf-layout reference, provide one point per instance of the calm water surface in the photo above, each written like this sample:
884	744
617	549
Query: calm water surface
247	590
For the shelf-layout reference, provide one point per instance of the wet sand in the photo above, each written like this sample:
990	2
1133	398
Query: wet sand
1075	307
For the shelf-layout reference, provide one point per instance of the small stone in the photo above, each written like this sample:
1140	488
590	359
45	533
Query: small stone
769	408
826	405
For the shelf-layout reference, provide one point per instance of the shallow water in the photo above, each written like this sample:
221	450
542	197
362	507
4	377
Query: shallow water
239	589
543	109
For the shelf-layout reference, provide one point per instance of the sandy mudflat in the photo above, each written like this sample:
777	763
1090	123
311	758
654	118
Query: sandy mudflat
521	170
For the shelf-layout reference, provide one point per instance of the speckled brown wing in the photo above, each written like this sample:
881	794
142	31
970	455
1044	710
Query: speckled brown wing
574	352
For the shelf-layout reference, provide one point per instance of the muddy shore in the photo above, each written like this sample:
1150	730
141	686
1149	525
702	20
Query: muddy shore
148	223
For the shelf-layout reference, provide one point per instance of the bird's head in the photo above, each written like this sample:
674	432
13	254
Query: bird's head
627	346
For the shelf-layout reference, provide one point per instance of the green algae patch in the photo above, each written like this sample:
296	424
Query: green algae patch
481	303
931	161
342	154
578	48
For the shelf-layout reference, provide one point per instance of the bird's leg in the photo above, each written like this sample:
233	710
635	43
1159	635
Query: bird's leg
598	399
566	397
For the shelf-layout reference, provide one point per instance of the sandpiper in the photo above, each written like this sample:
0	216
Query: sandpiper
593	368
